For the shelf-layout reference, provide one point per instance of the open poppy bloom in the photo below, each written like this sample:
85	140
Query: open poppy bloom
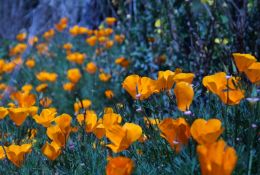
109	94
217	158
119	166
46	76
184	95
243	61
49	34
56	135
206	132
176	132
24	99
45	118
16	153
76	57
226	88
104	77
139	87
62	24
184	77
74	75
2	152
21	36
123	136
92	40
18	115
52	151
122	61
110	20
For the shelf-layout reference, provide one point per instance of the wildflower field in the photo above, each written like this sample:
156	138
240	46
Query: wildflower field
173	90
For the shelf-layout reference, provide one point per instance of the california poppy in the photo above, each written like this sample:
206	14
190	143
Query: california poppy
184	95
206	132
16	153
45	118
243	61
52	151
119	166
73	75
253	72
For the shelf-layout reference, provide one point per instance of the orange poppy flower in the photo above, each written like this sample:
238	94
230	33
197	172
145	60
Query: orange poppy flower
91	68
216	82
83	104
56	135
104	77
3	113
109	94
123	137
51	151
92	40
67	46
76	57
18	115
243	61
49	34
45	118
21	36
119	166
46	76
73	75
30	63
186	77
184	95
165	80
253	72
139	87
18	49
62	24
68	86
41	87
119	38
206	132
110	20
176	132
122	62
16	153
217	158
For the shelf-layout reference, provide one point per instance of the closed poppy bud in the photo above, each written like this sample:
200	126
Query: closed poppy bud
3	113
91	68
176	132
74	75
68	86
21	36
216	158
18	115
30	63
184	95
16	153
243	61
51	151
206	132
253	72
92	40
109	94
122	62
110	20
104	77
119	166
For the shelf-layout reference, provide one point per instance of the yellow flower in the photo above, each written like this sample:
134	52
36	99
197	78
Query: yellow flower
16	153
139	87
206	132
91	68
184	95
74	75
45	118
176	132
217	158
123	137
119	166
52	151
243	61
